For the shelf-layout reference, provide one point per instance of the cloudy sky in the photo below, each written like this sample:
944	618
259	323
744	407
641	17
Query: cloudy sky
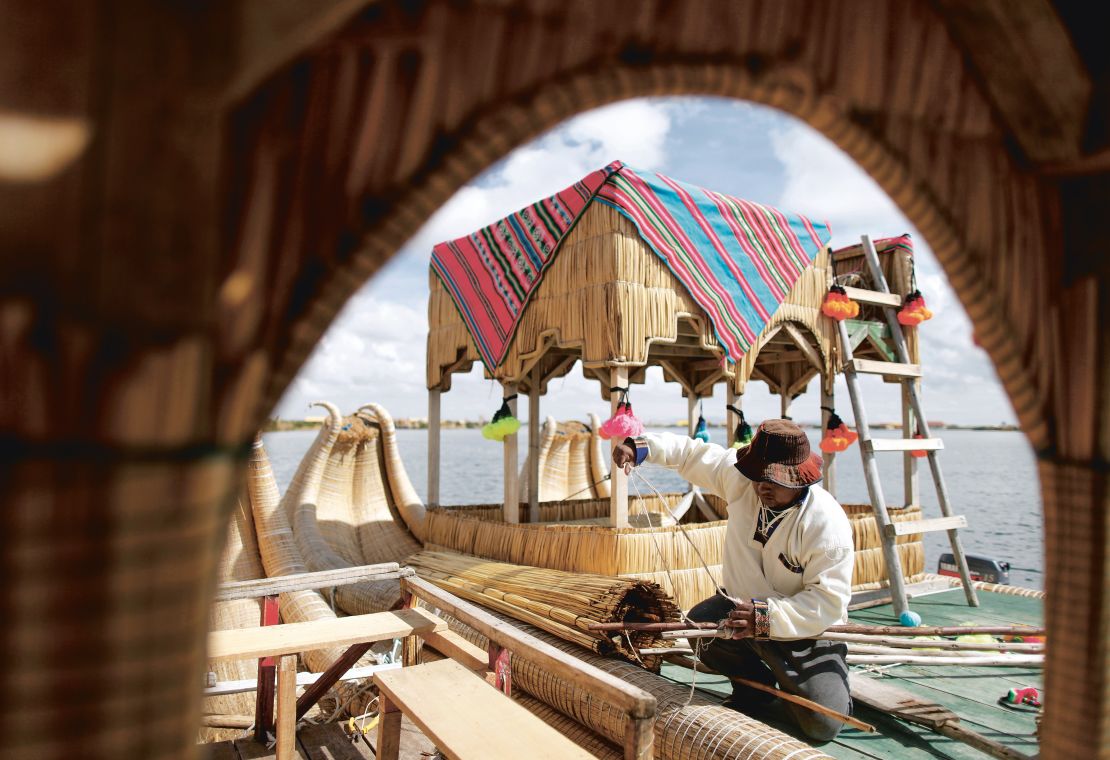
374	352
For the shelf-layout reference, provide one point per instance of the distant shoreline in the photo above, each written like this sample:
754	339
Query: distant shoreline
281	425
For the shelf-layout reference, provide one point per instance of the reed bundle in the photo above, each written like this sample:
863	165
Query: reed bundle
604	271
595	549
339	505
239	562
687	727
869	571
591	741
563	604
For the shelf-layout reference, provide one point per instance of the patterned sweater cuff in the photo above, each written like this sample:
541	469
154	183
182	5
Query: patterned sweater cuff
762	619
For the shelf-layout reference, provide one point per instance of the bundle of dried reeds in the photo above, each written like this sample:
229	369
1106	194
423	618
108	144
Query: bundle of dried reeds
596	745
687	727
560	603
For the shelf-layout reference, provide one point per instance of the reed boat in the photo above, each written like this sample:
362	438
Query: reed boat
569	546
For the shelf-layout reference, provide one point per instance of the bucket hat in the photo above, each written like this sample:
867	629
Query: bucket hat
780	453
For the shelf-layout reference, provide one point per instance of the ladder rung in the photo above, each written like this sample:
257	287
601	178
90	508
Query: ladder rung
871	367
904	444
874	297
909	527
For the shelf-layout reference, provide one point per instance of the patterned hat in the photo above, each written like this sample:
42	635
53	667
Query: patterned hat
780	453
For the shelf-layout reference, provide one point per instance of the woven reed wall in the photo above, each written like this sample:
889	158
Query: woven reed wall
572	461
251	196
687	727
608	293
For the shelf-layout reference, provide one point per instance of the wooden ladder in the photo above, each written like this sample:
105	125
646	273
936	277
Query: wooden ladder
908	375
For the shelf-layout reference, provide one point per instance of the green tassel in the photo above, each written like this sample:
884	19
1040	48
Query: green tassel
503	424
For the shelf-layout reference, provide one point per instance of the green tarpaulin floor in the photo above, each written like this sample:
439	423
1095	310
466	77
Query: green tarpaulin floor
970	692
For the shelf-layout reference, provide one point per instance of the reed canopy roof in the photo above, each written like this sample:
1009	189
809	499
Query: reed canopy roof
636	269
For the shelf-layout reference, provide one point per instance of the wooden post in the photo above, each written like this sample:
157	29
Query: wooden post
286	728
910	483
639	735
264	695
785	402
828	459
732	419
691	413
512	489
389	729
534	447
433	447
618	495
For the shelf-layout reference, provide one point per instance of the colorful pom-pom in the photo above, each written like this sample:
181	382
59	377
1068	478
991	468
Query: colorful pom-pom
838	305
914	311
623	424
918	453
503	424
743	435
837	436
701	430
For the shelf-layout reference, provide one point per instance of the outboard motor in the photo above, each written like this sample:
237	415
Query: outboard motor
981	568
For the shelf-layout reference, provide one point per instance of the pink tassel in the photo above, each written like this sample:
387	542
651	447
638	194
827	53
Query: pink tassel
623	424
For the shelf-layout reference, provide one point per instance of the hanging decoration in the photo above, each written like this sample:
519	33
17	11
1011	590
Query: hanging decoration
838	305
918	453
623	424
503	423
743	435
701	430
914	311
837	435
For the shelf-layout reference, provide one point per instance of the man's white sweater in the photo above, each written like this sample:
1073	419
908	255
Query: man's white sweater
804	572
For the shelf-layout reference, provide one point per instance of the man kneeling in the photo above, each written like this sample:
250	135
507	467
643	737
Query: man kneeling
787	567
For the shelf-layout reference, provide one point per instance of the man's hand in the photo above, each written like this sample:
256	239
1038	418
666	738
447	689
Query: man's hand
624	457
741	620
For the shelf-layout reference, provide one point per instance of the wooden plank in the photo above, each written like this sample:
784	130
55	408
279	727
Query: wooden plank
329	677
618	489
389	728
259	587
881	596
873	297
633	700
897	369
804	346
286	717
533	459
303	679
465	718
911	490
451	644
904	444
291	638
932	525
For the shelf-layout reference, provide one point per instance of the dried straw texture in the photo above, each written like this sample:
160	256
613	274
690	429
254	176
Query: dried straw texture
561	603
571	510
685	728
870	566
338	504
280	555
610	296
401	498
240	562
596	745
572	463
994	588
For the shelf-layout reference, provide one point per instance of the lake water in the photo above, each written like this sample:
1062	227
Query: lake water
991	478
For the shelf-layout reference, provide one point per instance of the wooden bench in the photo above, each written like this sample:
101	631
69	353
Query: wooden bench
466	718
357	633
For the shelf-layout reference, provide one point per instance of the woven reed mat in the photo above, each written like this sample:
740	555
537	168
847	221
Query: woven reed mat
686	728
558	602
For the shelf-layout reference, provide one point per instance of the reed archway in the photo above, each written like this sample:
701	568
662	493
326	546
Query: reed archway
252	189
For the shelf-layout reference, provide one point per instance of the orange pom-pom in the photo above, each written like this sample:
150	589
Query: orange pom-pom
918	453
914	311
838	305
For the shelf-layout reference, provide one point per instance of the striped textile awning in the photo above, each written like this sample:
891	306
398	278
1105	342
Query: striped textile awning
736	258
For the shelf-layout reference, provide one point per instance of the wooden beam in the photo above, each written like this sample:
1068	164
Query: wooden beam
828	459
559	369
434	437
511	502
291	638
451	644
804	345
282	584
618	491
285	718
669	369
534	448
330	677
732	419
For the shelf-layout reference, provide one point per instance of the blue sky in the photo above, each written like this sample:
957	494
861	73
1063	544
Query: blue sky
374	352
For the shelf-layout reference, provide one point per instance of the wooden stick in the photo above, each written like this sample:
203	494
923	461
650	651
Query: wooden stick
1007	661
903	651
676	626
807	703
923	630
1000	646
